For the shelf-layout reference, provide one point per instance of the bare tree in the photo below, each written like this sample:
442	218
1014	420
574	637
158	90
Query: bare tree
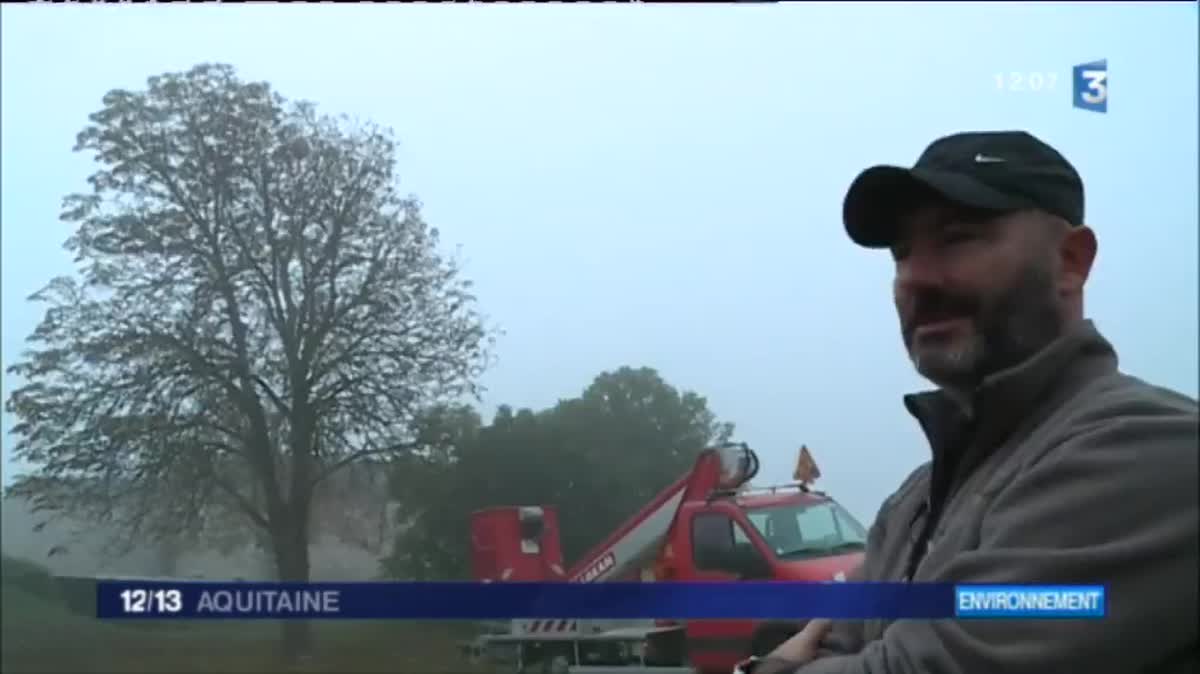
256	308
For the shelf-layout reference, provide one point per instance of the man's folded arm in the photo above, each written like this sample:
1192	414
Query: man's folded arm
1115	505
847	636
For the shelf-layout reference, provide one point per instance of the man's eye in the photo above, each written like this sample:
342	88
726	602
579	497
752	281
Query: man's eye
956	235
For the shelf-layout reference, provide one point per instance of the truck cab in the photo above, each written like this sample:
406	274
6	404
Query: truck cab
779	535
707	526
788	534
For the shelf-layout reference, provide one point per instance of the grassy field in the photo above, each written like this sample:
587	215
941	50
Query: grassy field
40	634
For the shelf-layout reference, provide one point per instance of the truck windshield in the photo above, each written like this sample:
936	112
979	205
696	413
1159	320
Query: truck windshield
809	530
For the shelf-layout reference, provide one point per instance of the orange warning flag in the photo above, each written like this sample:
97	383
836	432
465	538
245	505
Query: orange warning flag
807	471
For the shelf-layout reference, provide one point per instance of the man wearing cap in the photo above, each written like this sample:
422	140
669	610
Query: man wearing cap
1049	465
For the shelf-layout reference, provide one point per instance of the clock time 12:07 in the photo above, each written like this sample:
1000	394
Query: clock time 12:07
1026	81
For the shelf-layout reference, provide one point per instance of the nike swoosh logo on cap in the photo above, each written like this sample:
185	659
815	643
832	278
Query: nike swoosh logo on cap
985	159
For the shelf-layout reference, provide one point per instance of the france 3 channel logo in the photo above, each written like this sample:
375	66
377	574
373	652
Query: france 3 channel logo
1090	90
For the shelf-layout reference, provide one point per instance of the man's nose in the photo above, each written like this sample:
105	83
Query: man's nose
921	268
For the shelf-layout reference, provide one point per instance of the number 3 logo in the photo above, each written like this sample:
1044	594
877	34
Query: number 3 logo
1097	89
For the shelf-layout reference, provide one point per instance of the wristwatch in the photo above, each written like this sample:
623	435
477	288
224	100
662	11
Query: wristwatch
767	665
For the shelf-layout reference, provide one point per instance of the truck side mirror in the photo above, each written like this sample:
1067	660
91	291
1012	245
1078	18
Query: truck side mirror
756	568
750	565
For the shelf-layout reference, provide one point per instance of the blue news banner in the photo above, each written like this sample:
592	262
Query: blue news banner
674	600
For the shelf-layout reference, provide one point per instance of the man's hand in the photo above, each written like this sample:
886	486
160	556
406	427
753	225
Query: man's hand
802	647
797	651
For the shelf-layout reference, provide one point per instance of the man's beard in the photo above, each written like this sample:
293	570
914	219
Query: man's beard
1006	329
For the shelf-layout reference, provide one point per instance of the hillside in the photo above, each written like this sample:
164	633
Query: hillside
41	634
38	623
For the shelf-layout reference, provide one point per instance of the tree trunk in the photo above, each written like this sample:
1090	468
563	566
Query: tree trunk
292	566
168	557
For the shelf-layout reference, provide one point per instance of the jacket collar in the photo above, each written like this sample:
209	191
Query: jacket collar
1007	398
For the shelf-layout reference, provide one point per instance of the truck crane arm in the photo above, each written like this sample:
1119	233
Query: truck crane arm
638	540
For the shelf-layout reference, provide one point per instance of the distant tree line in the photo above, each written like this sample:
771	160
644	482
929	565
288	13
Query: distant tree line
598	458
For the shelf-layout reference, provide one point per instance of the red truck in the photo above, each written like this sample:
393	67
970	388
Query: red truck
705	526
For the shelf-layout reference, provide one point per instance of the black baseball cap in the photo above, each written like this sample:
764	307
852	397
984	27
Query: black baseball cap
1000	171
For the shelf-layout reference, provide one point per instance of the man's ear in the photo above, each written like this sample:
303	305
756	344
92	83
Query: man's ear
1076	252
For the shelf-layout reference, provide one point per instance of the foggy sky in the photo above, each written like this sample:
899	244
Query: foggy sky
662	186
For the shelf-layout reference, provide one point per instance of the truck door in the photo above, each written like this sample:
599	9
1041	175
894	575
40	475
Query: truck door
721	550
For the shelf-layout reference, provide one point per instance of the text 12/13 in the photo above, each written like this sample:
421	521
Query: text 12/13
149	602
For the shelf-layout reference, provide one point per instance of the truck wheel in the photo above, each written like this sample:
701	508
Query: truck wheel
770	635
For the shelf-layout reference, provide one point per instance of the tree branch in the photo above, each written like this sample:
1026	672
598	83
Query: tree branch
360	455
